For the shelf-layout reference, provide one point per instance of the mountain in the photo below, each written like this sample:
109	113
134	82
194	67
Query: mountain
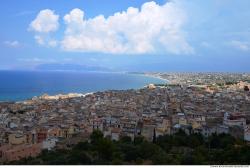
71	67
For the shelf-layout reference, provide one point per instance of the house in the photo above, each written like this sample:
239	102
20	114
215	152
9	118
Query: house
71	131
148	131
31	137
195	124
128	127
182	121
49	143
107	132
222	129
231	121
97	123
41	134
159	132
55	132
151	86
207	130
17	139
67	143
115	134
11	153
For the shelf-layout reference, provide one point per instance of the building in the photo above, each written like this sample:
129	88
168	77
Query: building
11	153
241	122
115	134
148	131
49	143
42	134
54	132
17	139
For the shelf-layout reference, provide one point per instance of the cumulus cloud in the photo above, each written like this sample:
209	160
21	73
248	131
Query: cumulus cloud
46	41
39	39
45	22
242	45
52	43
13	44
151	29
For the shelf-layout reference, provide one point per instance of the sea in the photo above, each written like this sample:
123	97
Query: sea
23	85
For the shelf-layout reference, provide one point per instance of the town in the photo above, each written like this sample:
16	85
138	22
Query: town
195	103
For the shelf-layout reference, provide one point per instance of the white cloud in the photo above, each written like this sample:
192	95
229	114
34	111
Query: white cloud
151	29
36	60
30	60
46	41
39	39
45	22
13	44
52	43
242	45
205	44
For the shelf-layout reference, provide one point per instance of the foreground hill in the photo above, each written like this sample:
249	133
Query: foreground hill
177	149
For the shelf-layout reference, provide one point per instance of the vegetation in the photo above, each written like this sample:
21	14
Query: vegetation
246	88
231	82
166	150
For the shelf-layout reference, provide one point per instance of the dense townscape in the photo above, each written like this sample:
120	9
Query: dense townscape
205	104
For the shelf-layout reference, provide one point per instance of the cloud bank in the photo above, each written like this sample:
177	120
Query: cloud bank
151	29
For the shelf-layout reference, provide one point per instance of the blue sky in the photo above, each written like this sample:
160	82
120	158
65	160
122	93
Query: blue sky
175	35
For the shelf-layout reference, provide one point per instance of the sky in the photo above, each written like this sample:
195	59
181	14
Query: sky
125	35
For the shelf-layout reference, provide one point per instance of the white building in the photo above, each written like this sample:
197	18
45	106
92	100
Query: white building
49	143
241	122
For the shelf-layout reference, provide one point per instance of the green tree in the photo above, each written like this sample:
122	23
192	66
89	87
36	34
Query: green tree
96	136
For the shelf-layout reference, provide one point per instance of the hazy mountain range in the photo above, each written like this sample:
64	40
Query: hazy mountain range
71	67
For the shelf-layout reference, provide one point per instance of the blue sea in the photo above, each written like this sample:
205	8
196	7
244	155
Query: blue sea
22	85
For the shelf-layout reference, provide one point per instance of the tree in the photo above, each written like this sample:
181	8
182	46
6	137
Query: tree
125	139
195	140
165	142
82	146
246	88
78	157
175	149
130	151
138	140
96	136
105	149
154	136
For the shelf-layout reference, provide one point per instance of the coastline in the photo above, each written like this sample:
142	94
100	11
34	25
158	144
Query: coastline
156	76
148	78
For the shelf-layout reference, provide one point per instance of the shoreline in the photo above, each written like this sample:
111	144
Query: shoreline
157	77
82	94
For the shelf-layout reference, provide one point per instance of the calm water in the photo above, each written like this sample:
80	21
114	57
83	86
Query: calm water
20	85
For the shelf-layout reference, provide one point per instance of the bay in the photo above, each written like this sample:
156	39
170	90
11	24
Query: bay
22	85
